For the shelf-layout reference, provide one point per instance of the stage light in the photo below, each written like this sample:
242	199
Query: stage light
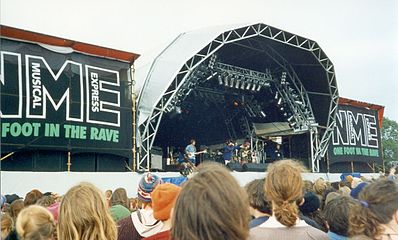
248	86
220	80
285	114
243	85
231	84
237	83
258	88
290	118
282	108
279	101
276	95
226	80
263	114
299	103
254	87
178	109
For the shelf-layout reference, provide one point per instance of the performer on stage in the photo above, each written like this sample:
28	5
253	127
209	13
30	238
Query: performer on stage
245	155
190	152
279	152
229	150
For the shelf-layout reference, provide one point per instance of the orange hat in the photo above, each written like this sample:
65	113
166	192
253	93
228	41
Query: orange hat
163	200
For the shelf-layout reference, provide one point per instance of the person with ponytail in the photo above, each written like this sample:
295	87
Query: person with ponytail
283	188
375	216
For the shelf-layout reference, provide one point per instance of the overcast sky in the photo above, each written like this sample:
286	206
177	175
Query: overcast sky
360	37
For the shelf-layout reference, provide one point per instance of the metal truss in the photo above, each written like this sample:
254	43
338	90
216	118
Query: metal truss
150	127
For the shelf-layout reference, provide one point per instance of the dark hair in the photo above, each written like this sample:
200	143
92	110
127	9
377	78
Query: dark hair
32	197
119	197
211	206
192	140
256	194
378	202
336	214
325	194
16	207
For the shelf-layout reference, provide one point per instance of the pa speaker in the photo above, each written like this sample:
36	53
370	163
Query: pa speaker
235	167
255	167
157	162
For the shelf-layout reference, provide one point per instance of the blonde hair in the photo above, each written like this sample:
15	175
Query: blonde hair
211	206
284	186
7	225
319	186
84	215
35	223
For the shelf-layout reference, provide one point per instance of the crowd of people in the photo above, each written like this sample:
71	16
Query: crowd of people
211	205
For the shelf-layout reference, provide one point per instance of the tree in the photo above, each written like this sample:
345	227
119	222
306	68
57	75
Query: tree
389	138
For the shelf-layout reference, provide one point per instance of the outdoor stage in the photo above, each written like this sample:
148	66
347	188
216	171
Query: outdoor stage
60	182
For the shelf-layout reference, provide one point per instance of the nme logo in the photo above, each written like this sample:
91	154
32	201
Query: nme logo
355	129
93	98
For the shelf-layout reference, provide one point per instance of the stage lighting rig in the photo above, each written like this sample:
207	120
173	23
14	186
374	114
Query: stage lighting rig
240	78
294	104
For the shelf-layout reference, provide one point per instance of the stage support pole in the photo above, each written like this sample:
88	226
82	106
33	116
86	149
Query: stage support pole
134	112
69	162
352	166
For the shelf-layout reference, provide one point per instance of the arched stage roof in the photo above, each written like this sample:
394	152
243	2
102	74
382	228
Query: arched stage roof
258	47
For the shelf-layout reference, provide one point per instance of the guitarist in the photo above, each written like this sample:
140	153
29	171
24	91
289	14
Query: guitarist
190	152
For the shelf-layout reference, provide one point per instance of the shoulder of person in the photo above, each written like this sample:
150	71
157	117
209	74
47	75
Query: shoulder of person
316	234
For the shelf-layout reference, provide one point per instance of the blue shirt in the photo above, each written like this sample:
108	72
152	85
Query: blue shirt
229	151
334	236
191	150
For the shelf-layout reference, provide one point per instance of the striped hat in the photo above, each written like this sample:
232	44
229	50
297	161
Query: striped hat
147	184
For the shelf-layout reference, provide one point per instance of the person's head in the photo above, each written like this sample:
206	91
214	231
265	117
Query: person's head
35	223
108	194
15	208
7	225
146	185
311	203
357	190
331	196
344	190
378	204
336	213
119	197
307	186
163	200
46	201
319	186
211	204
284	186
32	197
84	215
3	200
134	204
257	198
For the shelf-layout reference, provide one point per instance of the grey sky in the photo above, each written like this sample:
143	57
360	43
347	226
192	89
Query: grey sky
360	37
